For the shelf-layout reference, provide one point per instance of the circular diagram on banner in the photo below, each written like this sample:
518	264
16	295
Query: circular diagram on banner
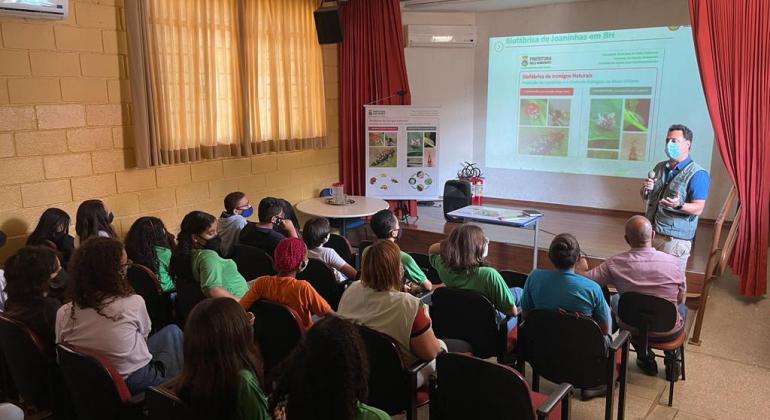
383	181
420	181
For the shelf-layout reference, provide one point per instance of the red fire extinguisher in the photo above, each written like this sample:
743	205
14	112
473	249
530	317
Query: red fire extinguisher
471	173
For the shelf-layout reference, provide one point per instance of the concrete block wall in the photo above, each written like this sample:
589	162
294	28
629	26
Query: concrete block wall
65	132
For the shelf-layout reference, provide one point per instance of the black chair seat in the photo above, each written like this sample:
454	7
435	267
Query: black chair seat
252	262
514	278
277	329
343	248
323	281
159	305
423	261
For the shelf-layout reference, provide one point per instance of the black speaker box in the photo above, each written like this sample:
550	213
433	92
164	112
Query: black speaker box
328	26
457	194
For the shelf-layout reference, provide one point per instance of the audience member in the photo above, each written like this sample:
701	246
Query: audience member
315	234
52	230
377	302
263	235
148	243
459	261
562	288
385	225
2	276
288	213
196	257
93	219
289	259
326	377
233	220
106	316
222	365
643	269
28	273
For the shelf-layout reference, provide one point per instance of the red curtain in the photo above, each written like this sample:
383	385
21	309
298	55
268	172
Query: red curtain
372	68
732	43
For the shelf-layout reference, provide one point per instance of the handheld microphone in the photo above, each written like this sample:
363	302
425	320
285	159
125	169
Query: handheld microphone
651	175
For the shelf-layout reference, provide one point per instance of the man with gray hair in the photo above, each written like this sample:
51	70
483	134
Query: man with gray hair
643	269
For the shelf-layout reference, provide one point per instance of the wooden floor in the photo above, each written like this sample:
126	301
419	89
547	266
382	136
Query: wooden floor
600	233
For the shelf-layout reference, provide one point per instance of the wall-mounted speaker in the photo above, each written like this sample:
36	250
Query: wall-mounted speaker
328	25
457	194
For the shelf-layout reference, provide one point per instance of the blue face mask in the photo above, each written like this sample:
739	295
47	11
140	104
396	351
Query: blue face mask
248	212
673	151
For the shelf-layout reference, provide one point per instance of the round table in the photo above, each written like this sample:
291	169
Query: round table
361	206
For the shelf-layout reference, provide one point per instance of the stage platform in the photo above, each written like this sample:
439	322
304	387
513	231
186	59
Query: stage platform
600	233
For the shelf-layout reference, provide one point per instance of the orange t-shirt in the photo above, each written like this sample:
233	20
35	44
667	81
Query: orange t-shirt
296	294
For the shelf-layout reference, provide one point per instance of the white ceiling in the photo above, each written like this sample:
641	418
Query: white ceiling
473	5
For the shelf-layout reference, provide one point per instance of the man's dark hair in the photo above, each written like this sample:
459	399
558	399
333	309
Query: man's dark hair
268	208
686	132
564	251
315	232
231	201
383	222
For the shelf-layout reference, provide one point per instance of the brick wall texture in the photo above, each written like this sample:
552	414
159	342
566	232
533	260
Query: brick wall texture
65	133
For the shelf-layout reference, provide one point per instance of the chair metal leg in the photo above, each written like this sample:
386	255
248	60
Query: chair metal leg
623	378
671	392
682	350
535	381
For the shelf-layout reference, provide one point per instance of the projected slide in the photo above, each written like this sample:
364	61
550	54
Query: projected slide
593	102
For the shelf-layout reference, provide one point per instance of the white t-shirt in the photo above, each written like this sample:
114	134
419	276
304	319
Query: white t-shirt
332	260
123	342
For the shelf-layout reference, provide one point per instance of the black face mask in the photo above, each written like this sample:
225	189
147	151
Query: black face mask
214	243
110	218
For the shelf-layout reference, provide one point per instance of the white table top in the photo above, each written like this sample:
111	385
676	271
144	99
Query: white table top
362	206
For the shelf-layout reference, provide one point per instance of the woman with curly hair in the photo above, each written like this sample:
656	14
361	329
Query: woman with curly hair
148	243
93	219
326	376
222	365
196	257
106	316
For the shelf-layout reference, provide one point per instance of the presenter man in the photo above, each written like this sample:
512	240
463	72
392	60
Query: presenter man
676	196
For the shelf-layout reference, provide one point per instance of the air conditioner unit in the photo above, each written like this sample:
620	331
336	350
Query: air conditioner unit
440	36
35	9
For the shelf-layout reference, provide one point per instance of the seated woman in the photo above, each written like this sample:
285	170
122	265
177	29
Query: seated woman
106	316
52	230
93	219
196	257
459	261
315	234
562	288
289	259
222	365
377	302
148	243
309	389
28	273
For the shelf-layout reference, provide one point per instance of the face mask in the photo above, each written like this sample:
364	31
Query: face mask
673	151
110	218
213	243
58	235
302	266
248	212
399	232
326	239
485	252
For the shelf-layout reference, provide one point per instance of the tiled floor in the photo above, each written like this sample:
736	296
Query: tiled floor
728	375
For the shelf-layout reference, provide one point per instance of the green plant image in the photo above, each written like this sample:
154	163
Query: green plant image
605	119
636	115
533	112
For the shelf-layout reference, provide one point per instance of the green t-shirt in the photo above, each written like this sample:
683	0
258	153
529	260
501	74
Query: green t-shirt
252	403
164	259
412	271
485	280
211	270
366	412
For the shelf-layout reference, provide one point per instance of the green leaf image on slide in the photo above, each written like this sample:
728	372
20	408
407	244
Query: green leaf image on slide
605	119
533	112
636	115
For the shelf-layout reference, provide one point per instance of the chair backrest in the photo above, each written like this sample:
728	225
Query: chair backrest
514	278
252	262
162	404
188	294
32	370
471	388
469	316
147	285
342	246
323	281
565	347
362	245
277	329
326	192
388	386
646	313
97	389
423	261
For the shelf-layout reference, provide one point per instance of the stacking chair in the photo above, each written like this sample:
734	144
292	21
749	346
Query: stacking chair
188	294
323	281
568	347
650	314
277	329
252	262
514	278
34	372
392	385
159	305
163	404
423	261
469	316
96	388
360	255
471	388
343	248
